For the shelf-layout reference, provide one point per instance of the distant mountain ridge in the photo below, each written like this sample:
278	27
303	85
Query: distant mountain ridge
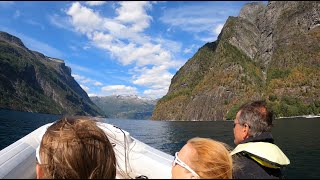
269	52
125	107
33	82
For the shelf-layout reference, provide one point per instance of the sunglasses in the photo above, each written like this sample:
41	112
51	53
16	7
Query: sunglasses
184	165
38	154
234	125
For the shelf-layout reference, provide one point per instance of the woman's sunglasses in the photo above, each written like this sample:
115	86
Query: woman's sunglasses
184	165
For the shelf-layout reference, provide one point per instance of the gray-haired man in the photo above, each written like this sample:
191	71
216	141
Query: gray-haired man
256	155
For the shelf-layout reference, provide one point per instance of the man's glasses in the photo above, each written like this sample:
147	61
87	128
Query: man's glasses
245	124
184	165
234	124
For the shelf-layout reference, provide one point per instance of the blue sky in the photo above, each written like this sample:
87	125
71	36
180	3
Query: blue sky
118	48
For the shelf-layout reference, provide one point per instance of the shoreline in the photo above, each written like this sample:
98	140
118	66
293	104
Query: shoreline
302	116
104	117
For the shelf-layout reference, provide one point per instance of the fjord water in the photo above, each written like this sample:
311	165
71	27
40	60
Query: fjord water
297	137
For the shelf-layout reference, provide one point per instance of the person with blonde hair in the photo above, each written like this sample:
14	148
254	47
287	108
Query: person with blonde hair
202	158
75	148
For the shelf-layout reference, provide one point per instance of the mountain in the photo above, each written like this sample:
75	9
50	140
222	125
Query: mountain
269	52
125	107
33	82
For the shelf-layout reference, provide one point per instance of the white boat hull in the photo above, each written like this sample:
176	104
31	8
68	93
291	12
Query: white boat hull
134	158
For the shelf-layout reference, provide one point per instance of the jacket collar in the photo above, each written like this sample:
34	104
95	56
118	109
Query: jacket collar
263	137
266	154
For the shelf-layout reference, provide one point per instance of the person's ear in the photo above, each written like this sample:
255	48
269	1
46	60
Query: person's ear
39	172
245	131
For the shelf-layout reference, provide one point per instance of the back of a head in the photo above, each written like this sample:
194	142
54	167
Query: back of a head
76	148
212	159
258	116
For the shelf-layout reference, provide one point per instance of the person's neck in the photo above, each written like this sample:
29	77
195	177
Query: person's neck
261	137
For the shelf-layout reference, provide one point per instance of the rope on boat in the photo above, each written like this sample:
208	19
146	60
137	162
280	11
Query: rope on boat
126	158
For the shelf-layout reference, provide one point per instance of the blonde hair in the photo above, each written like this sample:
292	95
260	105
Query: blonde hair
212	159
75	147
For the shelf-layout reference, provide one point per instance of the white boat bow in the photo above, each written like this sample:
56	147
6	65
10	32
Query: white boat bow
134	158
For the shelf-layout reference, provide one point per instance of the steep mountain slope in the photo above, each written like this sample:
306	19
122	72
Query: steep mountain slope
30	81
269	52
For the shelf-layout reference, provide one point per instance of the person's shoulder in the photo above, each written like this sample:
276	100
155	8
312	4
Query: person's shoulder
247	168
243	160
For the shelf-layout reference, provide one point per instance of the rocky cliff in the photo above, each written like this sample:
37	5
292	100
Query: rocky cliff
269	52
30	81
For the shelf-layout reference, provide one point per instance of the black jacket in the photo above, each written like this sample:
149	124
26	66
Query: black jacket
247	168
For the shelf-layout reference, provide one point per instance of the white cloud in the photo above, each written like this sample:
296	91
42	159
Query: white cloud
80	68
191	24
206	39
203	20
194	18
92	94
32	22
189	49
102	40
95	3
85	80
74	48
86	47
16	14
84	19
218	29
88	71
119	90
85	88
155	93
111	33
60	22
78	77
124	38
156	77
144	54
169	44
134	13
98	83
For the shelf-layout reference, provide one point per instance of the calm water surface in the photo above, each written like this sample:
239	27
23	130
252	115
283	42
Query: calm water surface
297	137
